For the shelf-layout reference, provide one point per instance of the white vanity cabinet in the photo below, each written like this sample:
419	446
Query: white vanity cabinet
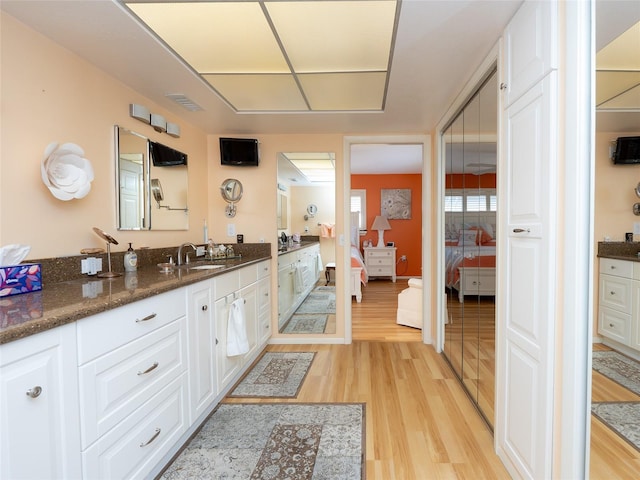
39	411
619	303
297	275
203	374
133	385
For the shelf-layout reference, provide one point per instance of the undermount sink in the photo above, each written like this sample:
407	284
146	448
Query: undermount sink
205	267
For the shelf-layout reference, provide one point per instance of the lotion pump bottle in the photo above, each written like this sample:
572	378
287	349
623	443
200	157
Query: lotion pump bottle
130	260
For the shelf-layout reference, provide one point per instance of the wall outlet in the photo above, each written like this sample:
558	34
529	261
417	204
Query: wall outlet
231	229
636	228
403	258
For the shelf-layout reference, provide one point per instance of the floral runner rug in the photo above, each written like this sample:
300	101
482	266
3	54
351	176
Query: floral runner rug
621	417
619	368
276	375
276	441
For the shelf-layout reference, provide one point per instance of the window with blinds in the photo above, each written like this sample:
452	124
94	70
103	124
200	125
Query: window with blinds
482	200
359	205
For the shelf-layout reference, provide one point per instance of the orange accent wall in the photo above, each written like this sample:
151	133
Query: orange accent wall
407	234
468	180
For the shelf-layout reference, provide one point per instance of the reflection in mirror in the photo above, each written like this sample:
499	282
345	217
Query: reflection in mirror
135	203
306	257
469	143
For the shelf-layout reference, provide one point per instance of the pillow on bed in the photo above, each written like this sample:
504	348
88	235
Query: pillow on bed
467	237
483	236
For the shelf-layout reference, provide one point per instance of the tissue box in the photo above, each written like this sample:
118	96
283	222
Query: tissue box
20	279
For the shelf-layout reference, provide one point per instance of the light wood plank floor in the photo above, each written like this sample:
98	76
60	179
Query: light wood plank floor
420	422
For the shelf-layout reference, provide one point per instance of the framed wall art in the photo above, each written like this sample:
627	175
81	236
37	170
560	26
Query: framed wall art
395	203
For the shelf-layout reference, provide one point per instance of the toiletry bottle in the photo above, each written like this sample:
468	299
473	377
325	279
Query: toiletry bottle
130	260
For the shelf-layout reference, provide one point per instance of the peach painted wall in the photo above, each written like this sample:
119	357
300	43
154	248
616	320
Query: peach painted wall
51	95
407	234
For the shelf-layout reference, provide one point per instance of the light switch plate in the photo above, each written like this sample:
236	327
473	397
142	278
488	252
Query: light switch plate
231	229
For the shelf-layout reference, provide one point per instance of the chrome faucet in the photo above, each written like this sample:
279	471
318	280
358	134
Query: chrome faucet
188	244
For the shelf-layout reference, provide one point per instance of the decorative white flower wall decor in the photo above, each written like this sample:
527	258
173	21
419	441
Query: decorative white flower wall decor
65	171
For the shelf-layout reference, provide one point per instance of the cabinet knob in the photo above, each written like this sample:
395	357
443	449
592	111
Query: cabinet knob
611	325
612	293
34	392
205	308
503	86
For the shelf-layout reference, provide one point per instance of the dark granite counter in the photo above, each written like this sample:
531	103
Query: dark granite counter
619	250
63	302
296	246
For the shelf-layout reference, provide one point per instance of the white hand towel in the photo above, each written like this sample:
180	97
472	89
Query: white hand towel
298	280
237	342
320	265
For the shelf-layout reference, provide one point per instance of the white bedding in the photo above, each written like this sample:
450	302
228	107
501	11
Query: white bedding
454	256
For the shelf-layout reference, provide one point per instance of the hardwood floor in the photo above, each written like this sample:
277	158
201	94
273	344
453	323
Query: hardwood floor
420	423
611	456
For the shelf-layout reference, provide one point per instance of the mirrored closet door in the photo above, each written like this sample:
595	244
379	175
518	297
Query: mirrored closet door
470	146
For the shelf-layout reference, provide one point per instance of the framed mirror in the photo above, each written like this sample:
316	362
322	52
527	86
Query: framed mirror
307	253
137	204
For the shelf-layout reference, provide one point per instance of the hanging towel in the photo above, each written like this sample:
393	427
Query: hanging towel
320	266
237	342
298	280
327	230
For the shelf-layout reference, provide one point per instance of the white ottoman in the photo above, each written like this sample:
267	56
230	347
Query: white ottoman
410	305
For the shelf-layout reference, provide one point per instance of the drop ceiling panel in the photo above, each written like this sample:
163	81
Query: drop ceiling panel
344	91
216	37
335	36
259	92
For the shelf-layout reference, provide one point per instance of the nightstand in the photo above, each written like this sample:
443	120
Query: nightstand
381	262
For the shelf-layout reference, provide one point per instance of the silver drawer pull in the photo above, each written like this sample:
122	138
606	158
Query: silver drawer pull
521	230
152	367
613	267
155	435
34	392
147	318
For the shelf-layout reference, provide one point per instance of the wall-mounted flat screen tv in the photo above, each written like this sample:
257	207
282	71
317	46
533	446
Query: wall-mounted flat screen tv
239	152
163	156
627	151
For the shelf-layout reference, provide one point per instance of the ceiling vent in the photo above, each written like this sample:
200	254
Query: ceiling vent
186	102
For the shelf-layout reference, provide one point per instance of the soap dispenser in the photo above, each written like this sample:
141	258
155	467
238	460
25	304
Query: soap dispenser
130	260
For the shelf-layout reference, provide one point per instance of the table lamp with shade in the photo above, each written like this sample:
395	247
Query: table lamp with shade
381	224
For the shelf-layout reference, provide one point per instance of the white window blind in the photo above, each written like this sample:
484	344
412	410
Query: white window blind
359	204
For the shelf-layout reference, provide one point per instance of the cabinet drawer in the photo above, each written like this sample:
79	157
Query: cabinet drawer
614	325
619	268
116	384
382	253
248	275
264	269
615	293
386	261
109	330
136	445
381	271
226	284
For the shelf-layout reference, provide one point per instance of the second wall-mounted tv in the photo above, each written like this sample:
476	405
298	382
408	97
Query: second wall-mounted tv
239	152
163	156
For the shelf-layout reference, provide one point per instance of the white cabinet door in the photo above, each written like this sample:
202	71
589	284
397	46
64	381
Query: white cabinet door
526	327
286	293
264	310
227	366
530	47
203	376
250	296
39	414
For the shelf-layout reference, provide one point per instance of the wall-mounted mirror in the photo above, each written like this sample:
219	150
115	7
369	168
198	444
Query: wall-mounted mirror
307	257
135	206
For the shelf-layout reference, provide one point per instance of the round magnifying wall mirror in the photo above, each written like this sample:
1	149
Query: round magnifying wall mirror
231	190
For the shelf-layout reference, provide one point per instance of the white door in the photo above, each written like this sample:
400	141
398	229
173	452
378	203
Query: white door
526	305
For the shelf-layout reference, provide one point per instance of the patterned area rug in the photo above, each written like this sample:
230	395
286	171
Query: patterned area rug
619	368
312	315
621	417
307	323
276	374
276	441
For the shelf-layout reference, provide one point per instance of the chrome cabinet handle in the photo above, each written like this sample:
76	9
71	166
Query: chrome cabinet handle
34	392
155	435
152	367
147	318
521	230
204	308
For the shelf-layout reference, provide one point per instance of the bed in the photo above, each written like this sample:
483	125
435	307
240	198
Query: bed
470	255
359	275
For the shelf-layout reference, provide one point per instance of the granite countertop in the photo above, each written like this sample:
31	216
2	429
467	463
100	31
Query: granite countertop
296	246
619	250
65	302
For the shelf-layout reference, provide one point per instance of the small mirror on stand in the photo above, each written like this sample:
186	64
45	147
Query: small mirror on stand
109	239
